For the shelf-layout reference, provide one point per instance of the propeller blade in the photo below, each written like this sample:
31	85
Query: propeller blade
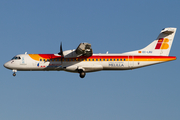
61	52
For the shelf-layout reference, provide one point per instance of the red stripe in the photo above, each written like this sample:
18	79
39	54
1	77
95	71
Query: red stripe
49	56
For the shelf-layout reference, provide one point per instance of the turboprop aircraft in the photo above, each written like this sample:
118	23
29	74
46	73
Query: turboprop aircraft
82	60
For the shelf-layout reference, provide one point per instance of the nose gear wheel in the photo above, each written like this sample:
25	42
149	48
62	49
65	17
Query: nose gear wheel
14	74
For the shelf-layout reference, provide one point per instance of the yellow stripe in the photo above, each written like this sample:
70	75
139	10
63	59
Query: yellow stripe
35	57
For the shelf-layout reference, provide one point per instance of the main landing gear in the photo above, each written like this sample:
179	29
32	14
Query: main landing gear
82	74
14	72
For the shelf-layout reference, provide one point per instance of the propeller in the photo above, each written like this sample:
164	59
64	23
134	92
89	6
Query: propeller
61	52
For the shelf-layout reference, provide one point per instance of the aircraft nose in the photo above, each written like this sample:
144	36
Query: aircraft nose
6	65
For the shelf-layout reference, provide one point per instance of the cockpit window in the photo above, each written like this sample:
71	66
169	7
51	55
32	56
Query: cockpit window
16	58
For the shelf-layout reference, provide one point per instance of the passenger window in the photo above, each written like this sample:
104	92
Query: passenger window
124	59
40	59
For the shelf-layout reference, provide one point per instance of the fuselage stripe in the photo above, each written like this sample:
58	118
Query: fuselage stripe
52	57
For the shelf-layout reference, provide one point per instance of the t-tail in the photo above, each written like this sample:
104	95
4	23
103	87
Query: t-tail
159	47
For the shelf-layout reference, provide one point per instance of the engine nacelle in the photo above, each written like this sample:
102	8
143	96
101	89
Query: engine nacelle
70	54
84	49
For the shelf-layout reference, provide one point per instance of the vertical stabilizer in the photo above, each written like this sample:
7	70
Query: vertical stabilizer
159	47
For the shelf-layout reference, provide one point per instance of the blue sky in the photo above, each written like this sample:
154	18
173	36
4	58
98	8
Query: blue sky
115	26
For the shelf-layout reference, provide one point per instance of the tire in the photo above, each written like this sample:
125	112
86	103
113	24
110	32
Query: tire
14	74
82	74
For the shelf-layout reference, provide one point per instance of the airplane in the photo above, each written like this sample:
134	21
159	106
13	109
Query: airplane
82	60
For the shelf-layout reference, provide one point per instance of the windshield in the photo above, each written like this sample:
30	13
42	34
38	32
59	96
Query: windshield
16	58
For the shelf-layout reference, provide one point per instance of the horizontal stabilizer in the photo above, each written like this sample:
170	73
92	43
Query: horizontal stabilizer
168	30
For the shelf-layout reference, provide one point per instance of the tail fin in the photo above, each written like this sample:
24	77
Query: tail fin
159	47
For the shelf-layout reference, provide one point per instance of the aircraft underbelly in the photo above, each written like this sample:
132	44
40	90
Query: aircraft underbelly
88	66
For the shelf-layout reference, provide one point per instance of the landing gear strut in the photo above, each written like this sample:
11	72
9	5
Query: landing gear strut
82	74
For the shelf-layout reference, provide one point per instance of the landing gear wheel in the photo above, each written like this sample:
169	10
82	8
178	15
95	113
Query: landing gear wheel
14	74
82	74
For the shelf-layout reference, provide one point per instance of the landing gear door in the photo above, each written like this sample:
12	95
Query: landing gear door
131	61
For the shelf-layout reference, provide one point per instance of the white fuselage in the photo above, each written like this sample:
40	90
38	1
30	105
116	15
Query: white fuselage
96	62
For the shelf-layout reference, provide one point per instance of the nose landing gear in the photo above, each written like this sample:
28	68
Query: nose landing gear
14	72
